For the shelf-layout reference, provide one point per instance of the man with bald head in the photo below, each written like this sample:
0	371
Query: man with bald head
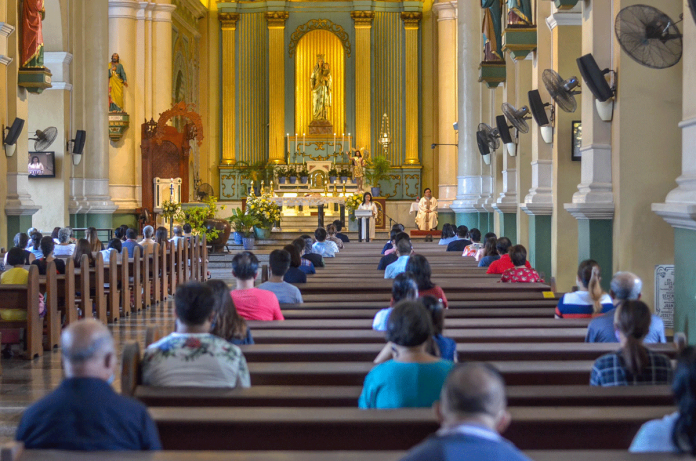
472	413
625	286
84	412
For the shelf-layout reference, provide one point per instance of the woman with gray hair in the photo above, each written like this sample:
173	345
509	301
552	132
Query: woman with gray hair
147	241
64	247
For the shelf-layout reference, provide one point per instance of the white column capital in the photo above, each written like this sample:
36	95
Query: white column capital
19	202
446	11
564	18
163	12
126	9
469	194
59	63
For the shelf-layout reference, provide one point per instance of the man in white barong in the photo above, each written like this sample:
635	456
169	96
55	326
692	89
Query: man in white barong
426	219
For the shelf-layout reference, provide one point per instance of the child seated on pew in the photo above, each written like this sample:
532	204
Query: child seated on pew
227	323
294	273
441	346
83	248
192	356
47	246
324	247
520	273
279	261
633	364
403	288
17	275
413	378
590	300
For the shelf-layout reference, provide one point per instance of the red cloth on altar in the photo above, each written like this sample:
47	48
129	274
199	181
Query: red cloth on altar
32	35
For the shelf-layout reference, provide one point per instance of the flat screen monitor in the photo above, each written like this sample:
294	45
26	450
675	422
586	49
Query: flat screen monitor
42	165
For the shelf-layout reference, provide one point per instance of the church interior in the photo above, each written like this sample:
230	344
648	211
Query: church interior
550	122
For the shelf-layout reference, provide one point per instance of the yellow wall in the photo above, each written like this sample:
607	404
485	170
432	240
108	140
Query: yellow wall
209	51
429	98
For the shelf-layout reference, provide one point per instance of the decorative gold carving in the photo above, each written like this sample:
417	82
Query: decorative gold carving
276	18
319	24
228	20
181	110
411	19
363	19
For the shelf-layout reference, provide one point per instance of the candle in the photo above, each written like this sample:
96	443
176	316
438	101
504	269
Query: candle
304	146
287	141
350	146
296	150
343	147
334	143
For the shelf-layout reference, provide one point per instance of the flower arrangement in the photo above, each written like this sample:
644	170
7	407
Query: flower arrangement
352	204
197	216
265	210
170	209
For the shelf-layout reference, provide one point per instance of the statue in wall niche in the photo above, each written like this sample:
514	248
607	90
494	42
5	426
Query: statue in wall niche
33	13
322	85
519	12
492	30
117	81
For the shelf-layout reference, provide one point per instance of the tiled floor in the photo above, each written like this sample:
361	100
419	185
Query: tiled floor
23	382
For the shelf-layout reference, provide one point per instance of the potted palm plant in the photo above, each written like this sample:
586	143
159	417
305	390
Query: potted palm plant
282	173
344	174
243	224
333	173
377	170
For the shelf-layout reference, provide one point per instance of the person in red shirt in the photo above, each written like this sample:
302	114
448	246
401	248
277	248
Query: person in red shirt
520	273
252	303
504	263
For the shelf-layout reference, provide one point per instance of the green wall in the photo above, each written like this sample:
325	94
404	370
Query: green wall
595	241
685	282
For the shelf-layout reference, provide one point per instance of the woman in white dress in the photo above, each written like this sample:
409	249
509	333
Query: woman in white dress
368	204
35	168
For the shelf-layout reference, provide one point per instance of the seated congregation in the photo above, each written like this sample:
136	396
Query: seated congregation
275	327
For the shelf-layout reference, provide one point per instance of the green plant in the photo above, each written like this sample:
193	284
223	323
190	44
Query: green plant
292	171
265	210
333	171
243	223
377	170
344	173
303	171
256	171
281	171
197	216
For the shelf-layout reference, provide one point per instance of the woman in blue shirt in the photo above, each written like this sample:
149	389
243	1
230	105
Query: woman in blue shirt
448	234
441	346
675	432
413	378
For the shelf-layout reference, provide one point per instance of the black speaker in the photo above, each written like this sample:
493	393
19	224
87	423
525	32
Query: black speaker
503	129
538	108
14	131
482	144
79	142
594	77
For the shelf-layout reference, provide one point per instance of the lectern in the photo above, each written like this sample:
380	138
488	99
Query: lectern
363	217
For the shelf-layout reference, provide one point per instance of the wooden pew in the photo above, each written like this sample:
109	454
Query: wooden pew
124	281
478	352
49	284
25	297
369	313
366	324
347	396
544	428
487	335
113	294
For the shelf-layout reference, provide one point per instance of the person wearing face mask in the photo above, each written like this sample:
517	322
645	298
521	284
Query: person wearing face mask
84	412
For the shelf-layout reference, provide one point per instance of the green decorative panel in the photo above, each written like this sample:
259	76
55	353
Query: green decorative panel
595	241
684	282
493	73
539	251
508	226
404	184
16	224
232	185
469	220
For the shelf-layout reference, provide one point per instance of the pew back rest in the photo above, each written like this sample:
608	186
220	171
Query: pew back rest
131	374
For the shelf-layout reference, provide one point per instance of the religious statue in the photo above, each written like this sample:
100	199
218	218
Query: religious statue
33	13
492	30
117	80
322	86
426	219
519	12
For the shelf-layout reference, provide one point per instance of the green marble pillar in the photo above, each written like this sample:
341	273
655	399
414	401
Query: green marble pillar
16	224
684	282
539	251
595	241
508	226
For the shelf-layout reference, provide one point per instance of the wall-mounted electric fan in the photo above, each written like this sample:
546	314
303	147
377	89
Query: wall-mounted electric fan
505	136
491	139
649	36
562	91
538	108
692	7
44	138
518	118
204	191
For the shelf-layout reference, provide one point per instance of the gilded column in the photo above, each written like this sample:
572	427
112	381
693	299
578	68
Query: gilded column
363	89
411	24
228	23
276	79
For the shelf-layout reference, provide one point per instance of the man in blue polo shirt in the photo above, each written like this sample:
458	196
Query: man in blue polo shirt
472	414
625	286
84	412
